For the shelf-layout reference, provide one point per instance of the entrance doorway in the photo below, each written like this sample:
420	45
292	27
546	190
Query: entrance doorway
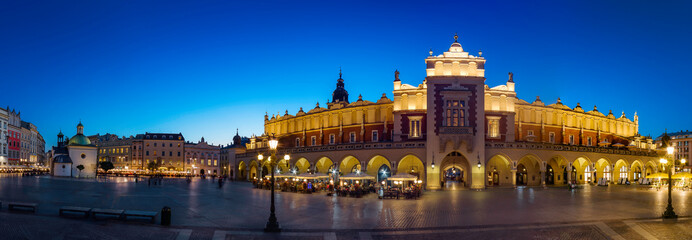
550	176
522	175
453	175
493	178
454	178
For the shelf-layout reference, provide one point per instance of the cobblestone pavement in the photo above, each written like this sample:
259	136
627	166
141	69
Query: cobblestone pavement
201	210
28	226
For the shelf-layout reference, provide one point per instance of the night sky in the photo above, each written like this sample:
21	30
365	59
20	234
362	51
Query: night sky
205	68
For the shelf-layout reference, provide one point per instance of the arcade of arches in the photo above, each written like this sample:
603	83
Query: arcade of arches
500	169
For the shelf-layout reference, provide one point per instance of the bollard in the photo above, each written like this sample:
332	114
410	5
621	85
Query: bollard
166	216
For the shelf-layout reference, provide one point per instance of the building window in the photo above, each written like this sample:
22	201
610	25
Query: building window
414	127
352	137
454	114
332	139
588	141
215	162
297	142
493	127
147	153
208	162
163	153
375	136
571	139
313	140
170	145
178	154
551	137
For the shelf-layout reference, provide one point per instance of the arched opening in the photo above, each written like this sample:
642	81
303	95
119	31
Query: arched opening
650	169
302	166
283	166
555	171
498	171
528	171
412	165
636	170
582	172
349	164
375	165
455	171
603	170
241	170
265	170
620	173
324	165
201	172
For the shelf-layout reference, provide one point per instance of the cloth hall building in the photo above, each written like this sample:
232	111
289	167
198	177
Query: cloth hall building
452	127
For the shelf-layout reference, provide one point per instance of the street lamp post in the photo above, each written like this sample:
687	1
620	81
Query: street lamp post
272	223
669	213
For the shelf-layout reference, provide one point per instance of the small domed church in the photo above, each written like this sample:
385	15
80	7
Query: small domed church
69	154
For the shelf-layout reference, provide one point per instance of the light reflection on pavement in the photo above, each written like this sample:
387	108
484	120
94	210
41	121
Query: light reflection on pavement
238	206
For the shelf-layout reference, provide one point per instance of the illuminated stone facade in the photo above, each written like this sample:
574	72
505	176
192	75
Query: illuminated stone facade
454	121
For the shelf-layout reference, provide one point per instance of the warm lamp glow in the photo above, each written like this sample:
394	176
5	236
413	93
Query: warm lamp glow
260	157
273	144
663	160
286	157
670	150
681	161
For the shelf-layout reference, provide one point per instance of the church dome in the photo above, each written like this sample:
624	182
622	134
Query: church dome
79	140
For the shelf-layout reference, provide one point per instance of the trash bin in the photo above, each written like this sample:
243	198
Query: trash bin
166	216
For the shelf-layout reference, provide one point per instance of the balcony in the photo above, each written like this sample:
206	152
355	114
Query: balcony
456	130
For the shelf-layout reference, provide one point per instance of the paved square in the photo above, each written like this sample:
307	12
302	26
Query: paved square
202	210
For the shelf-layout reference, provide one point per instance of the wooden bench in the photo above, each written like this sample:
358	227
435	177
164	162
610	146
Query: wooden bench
140	214
110	212
22	206
70	209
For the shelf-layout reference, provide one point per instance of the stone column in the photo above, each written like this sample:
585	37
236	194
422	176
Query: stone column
514	177
543	179
569	174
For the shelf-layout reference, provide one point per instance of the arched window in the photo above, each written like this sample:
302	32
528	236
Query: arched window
587	173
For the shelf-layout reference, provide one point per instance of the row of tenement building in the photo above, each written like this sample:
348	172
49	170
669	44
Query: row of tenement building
161	151
21	144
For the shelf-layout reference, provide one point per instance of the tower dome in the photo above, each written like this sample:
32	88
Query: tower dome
236	138
340	94
456	46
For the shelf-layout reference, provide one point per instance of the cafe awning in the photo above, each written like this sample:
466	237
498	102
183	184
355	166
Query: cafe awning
402	177
658	175
682	175
313	176
356	176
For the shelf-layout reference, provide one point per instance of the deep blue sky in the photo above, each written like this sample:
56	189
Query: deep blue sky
205	68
